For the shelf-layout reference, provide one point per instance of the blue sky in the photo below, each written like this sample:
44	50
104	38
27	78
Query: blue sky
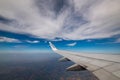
28	44
76	25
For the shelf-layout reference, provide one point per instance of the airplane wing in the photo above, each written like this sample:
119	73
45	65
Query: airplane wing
103	66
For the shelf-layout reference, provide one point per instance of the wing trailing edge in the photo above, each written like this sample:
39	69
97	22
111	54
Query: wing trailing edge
76	67
63	59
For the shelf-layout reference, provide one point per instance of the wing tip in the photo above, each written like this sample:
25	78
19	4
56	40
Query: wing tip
52	46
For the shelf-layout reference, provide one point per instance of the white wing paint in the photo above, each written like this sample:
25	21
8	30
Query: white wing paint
103	66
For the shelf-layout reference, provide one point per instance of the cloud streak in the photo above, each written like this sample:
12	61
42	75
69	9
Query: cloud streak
10	40
66	19
72	44
35	41
118	40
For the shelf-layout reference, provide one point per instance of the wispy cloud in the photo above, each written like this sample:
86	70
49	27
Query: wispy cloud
66	19
89	40
20	46
72	44
6	39
57	39
35	41
118	40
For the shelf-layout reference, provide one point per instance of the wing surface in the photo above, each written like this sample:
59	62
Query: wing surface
103	66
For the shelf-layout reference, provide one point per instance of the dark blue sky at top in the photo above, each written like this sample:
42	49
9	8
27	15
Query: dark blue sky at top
52	10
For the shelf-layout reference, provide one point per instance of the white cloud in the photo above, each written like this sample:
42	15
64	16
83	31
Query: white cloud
72	44
118	40
35	41
11	40
98	18
20	46
89	40
57	39
103	17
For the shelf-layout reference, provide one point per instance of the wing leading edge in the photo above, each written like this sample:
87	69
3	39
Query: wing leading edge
104	66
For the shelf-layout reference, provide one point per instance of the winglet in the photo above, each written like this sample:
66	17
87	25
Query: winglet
52	46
